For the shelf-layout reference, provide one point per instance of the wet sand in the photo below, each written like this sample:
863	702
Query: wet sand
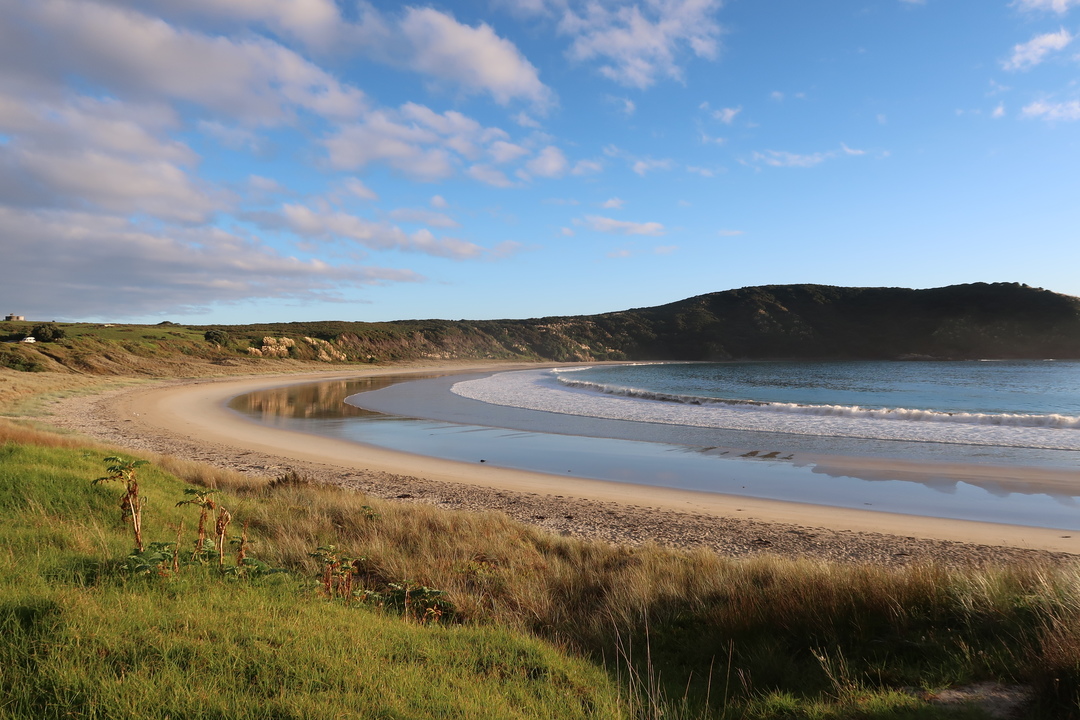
189	419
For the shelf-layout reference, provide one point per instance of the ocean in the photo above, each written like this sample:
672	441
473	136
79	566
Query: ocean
755	429
1022	404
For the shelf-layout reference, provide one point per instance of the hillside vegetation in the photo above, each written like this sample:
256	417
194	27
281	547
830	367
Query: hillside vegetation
330	604
1001	320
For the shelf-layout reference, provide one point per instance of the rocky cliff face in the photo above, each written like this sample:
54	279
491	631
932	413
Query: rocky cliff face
1000	320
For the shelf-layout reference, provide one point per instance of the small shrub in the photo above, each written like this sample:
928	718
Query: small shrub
47	332
217	337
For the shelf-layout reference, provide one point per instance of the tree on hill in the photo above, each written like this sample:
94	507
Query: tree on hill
47	332
217	337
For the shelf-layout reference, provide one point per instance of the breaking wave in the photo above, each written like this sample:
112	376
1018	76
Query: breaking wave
559	392
852	411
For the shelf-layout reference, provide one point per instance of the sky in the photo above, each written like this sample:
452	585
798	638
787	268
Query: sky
240	161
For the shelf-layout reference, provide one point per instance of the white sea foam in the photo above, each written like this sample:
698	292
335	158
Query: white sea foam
553	391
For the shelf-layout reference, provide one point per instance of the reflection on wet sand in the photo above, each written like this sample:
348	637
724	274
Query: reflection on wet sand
964	489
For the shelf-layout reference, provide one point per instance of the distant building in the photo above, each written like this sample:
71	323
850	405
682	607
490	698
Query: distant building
29	340
14	318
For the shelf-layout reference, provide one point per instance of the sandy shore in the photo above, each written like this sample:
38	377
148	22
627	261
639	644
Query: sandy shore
189	419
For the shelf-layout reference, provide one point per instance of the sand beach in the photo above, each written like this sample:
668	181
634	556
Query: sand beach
189	419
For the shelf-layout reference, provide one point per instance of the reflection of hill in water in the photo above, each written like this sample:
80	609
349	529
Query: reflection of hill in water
324	400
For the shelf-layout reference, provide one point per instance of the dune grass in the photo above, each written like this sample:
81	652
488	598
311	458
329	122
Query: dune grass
536	625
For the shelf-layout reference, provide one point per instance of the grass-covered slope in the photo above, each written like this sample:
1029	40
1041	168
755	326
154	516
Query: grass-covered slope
83	636
453	614
1001	320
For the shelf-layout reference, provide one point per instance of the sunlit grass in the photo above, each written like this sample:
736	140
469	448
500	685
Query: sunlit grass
542	625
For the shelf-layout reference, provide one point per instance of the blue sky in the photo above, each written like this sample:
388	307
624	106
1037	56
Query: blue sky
227	161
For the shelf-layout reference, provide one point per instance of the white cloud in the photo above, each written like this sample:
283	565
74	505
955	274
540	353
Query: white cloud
665	249
315	22
504	152
703	172
851	151
637	44
730	233
1028	55
613	203
647	165
999	111
438	201
622	227
525	120
473	57
776	95
779	158
261	184
616	254
490	176
1059	6
90	153
549	163
566	232
76	265
726	115
1066	111
232	137
587	167
424	217
330	224
254	79
423	40
415	140
357	188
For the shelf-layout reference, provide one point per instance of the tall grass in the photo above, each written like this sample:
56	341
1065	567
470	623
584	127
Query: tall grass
681	634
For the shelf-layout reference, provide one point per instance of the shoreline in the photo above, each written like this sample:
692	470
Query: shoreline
189	419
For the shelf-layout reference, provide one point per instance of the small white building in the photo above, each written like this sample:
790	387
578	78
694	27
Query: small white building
15	318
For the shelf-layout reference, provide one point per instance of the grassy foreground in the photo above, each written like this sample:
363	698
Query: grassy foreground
418	612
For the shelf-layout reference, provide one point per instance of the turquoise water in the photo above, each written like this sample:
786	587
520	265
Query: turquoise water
534	420
998	388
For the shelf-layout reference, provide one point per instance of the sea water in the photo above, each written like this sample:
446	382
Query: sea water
1021	404
750	429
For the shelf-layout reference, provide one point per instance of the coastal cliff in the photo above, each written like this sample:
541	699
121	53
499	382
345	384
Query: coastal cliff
980	320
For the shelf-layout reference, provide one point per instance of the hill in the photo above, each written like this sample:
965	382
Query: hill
980	320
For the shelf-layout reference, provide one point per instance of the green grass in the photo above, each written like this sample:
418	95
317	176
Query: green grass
538	625
82	637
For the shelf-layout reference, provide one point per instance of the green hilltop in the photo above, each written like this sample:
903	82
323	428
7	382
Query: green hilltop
980	320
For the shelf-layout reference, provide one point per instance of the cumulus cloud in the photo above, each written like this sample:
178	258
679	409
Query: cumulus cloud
473	57
326	224
622	227
253	79
549	163
1066	111
587	167
612	204
1027	55
356	188
1059	6
77	265
489	176
504	152
422	40
424	217
106	154
726	115
780	158
646	165
638	44
415	140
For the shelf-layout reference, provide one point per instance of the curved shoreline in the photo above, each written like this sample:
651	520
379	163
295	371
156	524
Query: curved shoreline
190	419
